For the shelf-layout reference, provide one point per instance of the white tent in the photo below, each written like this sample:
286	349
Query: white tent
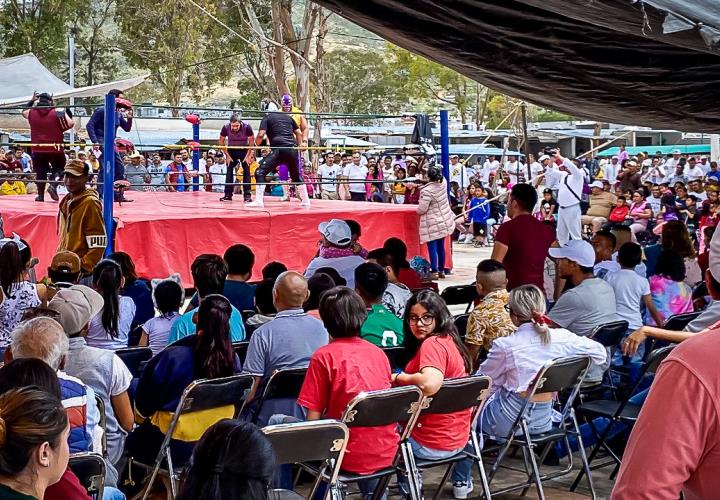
21	76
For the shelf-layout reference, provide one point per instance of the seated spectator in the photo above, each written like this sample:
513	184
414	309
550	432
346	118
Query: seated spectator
356	232
381	327
17	293
337	246
341	370
272	270
263	304
675	237
64	270
233	459
318	284
209	272
623	235
286	341
670	293
332	272
490	319
209	354
134	288
240	261
396	294
620	211
168	298
11	187
601	203
100	369
592	296
514	361
399	252
436	353
110	328
603	243
33	445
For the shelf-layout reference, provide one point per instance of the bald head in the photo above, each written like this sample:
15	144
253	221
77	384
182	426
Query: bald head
290	291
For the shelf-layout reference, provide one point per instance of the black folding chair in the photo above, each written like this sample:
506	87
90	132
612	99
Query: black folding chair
241	349
322	441
102	423
460	295
609	335
617	412
282	384
461	322
397	356
558	375
455	395
90	471
678	322
246	314
200	395
133	357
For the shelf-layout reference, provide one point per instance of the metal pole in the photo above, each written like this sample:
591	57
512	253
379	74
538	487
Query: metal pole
526	145
71	72
109	171
445	145
196	156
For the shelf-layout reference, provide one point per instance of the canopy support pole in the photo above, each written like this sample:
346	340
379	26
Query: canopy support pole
445	145
109	172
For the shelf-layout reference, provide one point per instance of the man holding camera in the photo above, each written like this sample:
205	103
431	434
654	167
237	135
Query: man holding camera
96	132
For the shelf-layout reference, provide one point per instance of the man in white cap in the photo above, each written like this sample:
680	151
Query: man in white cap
101	369
136	172
569	196
704	164
601	203
591	301
336	251
673	161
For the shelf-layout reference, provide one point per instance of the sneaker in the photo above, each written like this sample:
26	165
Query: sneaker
462	490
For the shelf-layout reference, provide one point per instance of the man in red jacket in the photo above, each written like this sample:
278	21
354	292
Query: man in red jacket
47	126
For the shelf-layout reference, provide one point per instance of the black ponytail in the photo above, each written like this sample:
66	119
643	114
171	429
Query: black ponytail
214	355
107	278
13	263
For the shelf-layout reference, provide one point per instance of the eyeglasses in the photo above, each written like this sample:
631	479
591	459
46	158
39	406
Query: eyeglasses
425	319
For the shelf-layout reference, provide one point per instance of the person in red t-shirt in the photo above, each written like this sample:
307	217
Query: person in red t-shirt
341	370
522	243
437	353
620	212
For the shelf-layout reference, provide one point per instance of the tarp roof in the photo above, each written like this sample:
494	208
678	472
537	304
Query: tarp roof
21	76
666	150
646	62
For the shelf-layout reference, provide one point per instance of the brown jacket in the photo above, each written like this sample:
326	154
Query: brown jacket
436	219
82	229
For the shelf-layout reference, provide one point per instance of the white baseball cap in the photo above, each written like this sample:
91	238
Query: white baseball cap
336	231
596	184
543	158
579	251
647	163
676	152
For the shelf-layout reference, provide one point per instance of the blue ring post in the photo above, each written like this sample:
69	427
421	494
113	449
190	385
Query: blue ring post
445	145
109	171
196	156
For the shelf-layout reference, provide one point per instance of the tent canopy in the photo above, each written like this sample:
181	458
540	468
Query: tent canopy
21	76
645	62
687	149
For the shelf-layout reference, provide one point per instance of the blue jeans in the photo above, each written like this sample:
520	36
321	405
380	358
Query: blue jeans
425	453
110	493
436	249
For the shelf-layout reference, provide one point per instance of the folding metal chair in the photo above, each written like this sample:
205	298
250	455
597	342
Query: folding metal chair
241	349
455	395
322	441
282	384
90	471
397	356
460	295
400	405
461	322
562	374
102	423
678	322
200	395
609	335
617	412
133	357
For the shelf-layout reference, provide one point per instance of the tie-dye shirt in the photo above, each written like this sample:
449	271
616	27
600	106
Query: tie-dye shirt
670	297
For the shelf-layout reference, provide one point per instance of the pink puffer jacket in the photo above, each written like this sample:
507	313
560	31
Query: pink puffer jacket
436	218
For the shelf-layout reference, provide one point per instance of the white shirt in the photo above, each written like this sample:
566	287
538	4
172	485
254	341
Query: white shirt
514	361
158	330
356	172
97	335
572	183
456	172
515	170
489	167
395	298
704	166
345	266
554	176
217	175
694	173
611	172
536	169
656	175
702	195
328	172
670	164
629	292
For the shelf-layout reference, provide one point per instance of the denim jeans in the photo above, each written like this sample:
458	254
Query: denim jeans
425	453
436	249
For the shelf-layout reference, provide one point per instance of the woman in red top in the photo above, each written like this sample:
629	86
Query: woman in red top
437	353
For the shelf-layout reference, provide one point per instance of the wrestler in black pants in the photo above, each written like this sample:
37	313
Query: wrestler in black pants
281	156
45	162
238	159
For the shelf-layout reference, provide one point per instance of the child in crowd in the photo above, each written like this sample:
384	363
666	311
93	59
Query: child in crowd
273	269
168	297
620	211
109	329
263	304
398	189
546	213
462	223
689	215
479	214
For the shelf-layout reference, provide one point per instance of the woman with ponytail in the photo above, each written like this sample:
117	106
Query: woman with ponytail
207	354
17	293
110	328
514	361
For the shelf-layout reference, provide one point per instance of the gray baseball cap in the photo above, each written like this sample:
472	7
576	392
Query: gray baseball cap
76	305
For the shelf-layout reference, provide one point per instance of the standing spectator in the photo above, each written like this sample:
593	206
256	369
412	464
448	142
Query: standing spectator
436	219
340	371
26	161
136	172
110	328
398	188
177	175
374	174
168	297
286	341
670	294
489	320
630	178
354	171
134	288
237	133
522	243
47	126
328	172
156	170
479	215
569	197
381	327
337	237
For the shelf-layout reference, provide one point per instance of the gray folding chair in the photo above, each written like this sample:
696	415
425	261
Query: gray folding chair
322	441
558	375
200	395
102	423
90	471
